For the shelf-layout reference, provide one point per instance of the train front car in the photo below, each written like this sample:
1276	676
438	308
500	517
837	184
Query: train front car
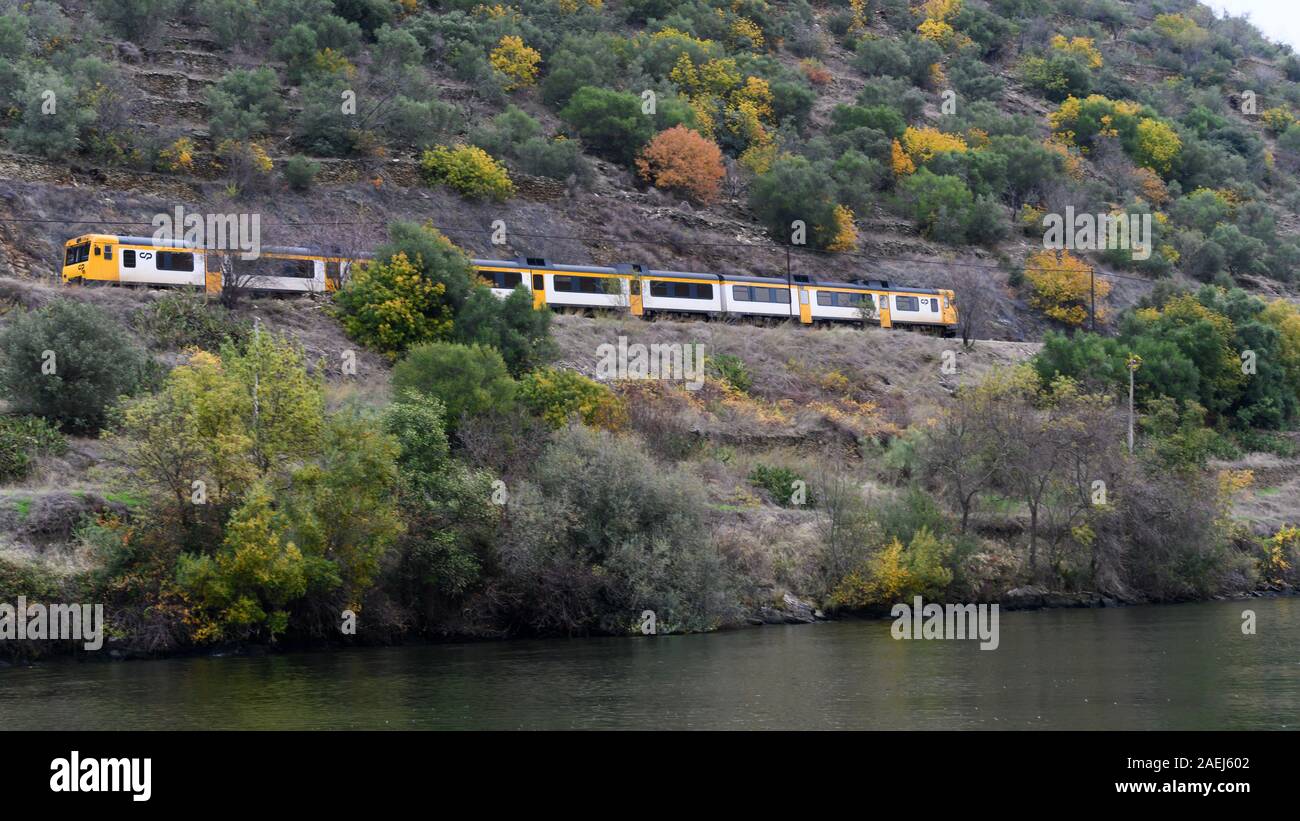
94	258
922	309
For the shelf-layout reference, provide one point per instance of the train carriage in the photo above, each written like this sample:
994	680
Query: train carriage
757	296
134	260
922	308
681	292
111	258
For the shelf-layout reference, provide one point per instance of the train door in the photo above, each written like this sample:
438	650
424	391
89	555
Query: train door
885	322
539	291
212	273
333	274
805	306
634	297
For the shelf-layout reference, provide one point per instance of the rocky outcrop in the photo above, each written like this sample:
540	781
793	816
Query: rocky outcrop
1031	597
790	610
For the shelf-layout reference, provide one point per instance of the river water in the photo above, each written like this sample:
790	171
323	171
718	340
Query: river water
1182	666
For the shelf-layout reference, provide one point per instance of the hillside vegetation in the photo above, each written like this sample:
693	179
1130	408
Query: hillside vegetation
443	462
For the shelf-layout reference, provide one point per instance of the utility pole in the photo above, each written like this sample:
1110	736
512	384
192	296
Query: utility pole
1092	288
789	282
1133	363
256	368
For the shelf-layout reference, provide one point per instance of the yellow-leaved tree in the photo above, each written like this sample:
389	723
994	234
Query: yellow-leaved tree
896	573
1061	286
467	169
516	61
391	306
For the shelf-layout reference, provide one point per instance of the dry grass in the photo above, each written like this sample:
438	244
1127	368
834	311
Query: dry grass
898	372
1273	498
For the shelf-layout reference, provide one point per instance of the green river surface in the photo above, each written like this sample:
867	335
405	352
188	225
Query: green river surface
1184	666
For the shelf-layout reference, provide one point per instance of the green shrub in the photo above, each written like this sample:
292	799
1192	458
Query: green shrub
21	438
469	380
300	172
230	21
880	117
421	123
321	127
134	19
782	484
516	136
795	189
611	122
521	334
1056	76
559	395
68	362
447	507
600	533
390	306
185	321
54	134
732	370
896	573
940	204
28	579
244	103
881	55
437	258
910	514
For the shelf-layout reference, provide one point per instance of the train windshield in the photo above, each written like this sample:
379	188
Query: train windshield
77	253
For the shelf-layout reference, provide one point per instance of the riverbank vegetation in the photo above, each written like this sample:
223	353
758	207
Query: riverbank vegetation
245	497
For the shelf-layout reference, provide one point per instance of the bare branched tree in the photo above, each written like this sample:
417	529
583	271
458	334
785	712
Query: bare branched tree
975	303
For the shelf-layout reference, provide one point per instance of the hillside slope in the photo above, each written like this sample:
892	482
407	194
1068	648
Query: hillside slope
165	74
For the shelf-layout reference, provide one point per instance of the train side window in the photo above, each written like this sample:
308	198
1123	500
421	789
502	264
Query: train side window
743	293
509	279
825	298
907	303
128	259
934	305
884	302
659	289
636	287
175	261
297	269
96	250
108	252
703	292
539	282
562	283
782	295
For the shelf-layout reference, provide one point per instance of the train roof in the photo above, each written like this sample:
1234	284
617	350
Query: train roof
521	262
126	239
652	273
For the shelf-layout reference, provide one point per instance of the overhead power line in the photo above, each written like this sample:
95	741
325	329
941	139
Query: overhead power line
461	230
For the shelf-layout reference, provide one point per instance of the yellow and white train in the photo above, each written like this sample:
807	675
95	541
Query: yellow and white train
644	292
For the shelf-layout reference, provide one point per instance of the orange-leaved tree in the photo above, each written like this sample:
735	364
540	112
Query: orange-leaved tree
681	160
